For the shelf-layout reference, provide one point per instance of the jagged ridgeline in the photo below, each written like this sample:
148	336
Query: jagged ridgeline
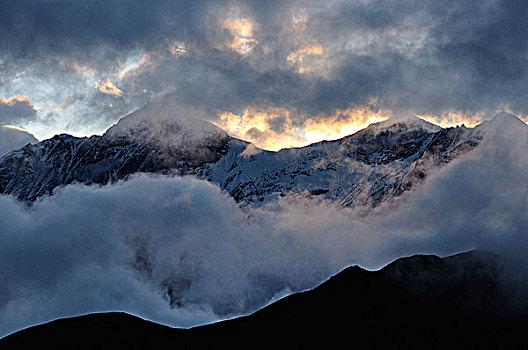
365	169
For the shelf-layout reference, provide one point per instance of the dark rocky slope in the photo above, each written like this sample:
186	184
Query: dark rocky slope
418	302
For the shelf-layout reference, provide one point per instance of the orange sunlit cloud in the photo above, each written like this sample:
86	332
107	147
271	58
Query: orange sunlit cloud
276	128
297	58
450	119
134	67
75	67
468	118
242	31
342	123
257	127
14	128
67	103
128	69
107	87
14	100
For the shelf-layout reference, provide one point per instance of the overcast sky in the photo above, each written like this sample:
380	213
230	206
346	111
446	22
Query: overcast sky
279	73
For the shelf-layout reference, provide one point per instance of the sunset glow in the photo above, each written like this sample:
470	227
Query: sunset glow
467	118
14	128
451	119
341	124
242	31
276	128
297	58
107	87
14	100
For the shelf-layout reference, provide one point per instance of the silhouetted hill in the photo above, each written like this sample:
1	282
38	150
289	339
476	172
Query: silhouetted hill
421	301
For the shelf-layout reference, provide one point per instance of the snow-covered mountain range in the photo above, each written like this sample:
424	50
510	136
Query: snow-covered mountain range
362	170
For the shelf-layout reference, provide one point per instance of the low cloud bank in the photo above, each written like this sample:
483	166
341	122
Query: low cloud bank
181	252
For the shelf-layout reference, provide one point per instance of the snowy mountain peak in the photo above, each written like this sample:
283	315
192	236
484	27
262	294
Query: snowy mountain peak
504	126
154	139
403	122
173	138
504	118
164	124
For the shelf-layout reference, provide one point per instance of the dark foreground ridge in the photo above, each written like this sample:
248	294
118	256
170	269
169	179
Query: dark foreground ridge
421	301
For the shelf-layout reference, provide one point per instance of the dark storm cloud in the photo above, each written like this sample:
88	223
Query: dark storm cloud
490	52
473	54
58	25
15	109
423	57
